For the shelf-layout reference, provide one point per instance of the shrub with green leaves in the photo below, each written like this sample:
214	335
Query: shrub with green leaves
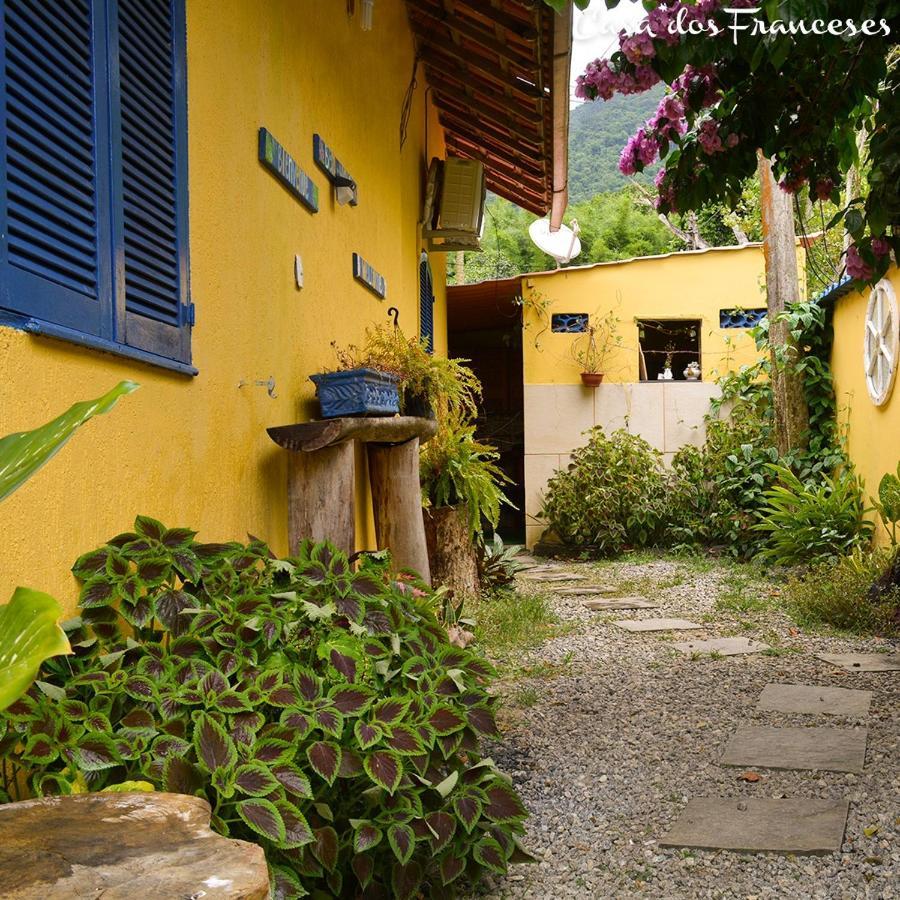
806	524
840	595
321	711
888	503
612	496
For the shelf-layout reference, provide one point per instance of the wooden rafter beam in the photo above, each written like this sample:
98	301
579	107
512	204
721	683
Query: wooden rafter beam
455	85
502	128
470	32
506	167
496	148
453	122
453	58
524	30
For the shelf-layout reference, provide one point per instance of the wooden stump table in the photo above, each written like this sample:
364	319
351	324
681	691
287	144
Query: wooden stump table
322	482
119	846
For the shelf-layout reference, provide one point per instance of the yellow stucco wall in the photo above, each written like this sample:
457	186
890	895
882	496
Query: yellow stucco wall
691	285
193	451
873	432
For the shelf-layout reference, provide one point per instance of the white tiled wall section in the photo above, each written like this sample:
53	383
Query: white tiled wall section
667	416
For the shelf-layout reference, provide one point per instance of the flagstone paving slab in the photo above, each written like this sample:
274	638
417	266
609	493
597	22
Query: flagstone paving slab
813	699
657	625
822	749
584	591
733	646
864	662
781	826
620	603
550	577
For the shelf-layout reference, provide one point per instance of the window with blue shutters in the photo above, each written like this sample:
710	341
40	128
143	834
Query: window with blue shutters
93	213
426	303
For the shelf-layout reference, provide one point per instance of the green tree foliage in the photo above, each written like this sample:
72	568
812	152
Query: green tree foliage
613	226
799	96
597	133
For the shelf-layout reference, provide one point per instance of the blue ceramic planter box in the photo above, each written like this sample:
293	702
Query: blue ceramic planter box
357	392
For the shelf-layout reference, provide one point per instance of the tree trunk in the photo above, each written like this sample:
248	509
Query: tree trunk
852	185
460	267
397	505
321	497
782	288
451	552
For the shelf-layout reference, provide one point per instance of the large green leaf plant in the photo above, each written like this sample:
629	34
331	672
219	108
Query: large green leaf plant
29	629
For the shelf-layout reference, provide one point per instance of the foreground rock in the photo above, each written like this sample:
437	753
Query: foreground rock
119	846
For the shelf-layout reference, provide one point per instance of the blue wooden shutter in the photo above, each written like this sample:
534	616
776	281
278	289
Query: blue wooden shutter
426	303
54	191
153	165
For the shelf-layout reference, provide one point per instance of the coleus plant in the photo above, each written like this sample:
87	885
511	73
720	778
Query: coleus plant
319	709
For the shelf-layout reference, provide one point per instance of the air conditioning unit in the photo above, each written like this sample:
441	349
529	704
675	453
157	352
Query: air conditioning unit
454	205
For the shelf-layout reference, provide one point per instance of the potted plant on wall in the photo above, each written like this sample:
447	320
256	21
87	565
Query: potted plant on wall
591	351
356	391
426	385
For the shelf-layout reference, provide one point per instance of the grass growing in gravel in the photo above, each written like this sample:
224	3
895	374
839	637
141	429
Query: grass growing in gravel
510	621
837	595
743	591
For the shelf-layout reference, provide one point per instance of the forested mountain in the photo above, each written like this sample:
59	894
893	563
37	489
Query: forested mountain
597	133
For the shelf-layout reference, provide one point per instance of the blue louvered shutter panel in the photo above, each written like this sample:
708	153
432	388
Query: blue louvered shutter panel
426	303
53	185
154	217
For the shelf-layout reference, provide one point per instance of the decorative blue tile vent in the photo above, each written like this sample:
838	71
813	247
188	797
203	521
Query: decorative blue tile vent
357	392
569	323
741	318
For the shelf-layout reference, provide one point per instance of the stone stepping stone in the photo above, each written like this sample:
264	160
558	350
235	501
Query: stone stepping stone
585	591
779	826
551	577
733	646
814	699
620	603
821	749
123	845
657	625
863	662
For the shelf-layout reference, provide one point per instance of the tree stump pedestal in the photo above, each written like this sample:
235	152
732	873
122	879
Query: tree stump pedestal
322	483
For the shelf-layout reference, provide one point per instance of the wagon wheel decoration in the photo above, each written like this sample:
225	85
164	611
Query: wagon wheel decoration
882	342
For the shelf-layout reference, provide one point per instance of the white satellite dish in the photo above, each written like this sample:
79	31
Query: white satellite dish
563	245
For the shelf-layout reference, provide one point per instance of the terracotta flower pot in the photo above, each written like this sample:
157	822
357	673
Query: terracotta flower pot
591	379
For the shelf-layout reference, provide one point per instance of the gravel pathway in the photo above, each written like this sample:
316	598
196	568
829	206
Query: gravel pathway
610	733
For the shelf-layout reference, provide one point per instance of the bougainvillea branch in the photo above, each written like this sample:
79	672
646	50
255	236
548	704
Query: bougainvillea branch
796	79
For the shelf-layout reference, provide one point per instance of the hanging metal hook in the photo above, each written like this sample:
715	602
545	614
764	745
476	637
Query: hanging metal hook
268	385
394	313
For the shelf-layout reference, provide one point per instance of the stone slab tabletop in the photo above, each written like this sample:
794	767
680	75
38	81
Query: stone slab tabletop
778	826
821	749
657	625
815	699
733	646
123	847
863	662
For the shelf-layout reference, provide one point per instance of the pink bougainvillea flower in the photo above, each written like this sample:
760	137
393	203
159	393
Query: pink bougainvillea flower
637	47
856	266
708	138
824	188
880	247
